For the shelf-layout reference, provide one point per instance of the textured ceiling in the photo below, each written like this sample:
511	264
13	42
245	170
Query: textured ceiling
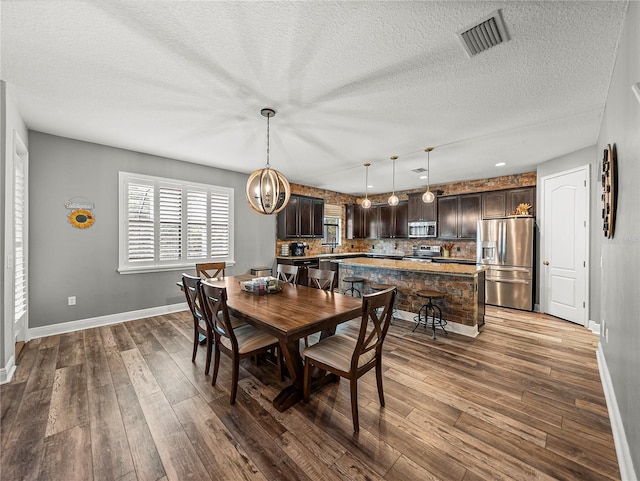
351	82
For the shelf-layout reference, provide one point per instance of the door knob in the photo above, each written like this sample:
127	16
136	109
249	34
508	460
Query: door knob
546	263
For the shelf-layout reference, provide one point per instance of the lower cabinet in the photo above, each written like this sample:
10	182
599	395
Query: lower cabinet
303	264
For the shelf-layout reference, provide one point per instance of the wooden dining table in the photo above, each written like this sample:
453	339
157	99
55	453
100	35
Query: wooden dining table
295	312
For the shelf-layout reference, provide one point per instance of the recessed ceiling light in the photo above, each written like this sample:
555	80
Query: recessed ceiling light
369	187
423	176
501	164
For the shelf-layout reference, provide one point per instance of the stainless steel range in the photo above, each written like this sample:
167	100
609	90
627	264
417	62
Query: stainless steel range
423	253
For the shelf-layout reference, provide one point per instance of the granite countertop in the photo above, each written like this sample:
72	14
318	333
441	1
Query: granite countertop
338	255
462	260
430	267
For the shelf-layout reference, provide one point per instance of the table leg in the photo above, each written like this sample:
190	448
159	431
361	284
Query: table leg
292	394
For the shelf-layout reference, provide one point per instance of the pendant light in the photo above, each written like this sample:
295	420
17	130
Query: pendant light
267	190
428	196
393	200
366	203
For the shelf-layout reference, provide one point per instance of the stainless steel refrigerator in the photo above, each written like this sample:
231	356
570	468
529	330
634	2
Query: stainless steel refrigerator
506	247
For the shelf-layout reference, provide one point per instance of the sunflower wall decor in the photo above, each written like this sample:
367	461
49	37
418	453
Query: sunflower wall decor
81	216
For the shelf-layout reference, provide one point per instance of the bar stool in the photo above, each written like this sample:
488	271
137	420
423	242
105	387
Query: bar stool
382	287
353	281
430	306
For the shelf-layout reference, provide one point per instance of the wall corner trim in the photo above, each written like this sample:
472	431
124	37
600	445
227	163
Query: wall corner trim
617	427
6	373
92	322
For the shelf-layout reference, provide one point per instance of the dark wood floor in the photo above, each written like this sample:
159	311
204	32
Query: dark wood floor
521	401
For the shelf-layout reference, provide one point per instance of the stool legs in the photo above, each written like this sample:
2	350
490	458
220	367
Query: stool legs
430	306
353	290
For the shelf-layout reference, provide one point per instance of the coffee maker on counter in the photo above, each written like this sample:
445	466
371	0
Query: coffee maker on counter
297	248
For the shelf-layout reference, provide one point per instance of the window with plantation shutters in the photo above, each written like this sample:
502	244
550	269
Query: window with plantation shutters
20	273
167	224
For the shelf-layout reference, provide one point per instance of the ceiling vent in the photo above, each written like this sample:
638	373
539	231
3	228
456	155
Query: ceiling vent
419	170
482	35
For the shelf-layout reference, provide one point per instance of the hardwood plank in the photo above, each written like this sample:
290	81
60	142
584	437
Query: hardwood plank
350	468
25	362
144	453
23	445
119	375
122	338
10	399
213	442
169	377
405	469
69	406
97	366
43	368
109	447
67	455
141	377
194	373
178	456
71	349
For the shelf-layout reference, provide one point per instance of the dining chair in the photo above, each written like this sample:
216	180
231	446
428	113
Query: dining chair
321	278
191	288
240	343
351	358
210	269
287	273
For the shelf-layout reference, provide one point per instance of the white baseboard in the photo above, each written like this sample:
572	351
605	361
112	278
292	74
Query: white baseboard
594	327
6	373
469	331
82	324
623	452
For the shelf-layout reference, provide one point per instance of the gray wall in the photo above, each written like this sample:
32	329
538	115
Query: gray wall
65	261
620	286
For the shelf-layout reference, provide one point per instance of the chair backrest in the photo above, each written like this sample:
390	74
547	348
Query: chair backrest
374	325
287	273
210	269
214	303
320	278
191	287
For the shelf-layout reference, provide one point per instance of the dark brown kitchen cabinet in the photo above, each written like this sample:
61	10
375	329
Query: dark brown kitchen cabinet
357	222
302	217
418	211
525	195
392	221
458	216
502	203
380	221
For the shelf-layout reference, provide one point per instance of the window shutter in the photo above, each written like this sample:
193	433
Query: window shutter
140	225
20	287
219	224
197	225
170	211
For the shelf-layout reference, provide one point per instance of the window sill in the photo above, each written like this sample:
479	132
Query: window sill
167	268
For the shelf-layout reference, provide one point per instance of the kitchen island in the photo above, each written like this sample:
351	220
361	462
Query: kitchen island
462	285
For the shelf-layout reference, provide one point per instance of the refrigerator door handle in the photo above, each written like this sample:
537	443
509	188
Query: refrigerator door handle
503	242
507	281
510	269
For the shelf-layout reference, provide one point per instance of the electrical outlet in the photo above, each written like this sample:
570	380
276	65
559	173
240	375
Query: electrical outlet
72	300
457	249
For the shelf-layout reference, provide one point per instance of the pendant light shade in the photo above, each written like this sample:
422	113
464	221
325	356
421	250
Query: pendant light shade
393	200
267	190
428	196
366	203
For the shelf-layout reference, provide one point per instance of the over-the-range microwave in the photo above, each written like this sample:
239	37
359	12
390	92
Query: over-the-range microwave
422	229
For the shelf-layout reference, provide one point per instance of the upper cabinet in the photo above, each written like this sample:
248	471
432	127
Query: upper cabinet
458	216
502	203
381	221
302	217
419	211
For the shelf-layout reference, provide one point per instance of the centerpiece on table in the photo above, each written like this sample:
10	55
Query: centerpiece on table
261	285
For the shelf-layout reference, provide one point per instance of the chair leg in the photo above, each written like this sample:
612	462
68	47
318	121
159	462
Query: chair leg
379	380
279	362
235	370
306	383
195	343
208	361
216	365
354	404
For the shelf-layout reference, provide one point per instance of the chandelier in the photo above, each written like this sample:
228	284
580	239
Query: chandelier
267	190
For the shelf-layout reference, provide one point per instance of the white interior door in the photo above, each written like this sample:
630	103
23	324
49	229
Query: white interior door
564	236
